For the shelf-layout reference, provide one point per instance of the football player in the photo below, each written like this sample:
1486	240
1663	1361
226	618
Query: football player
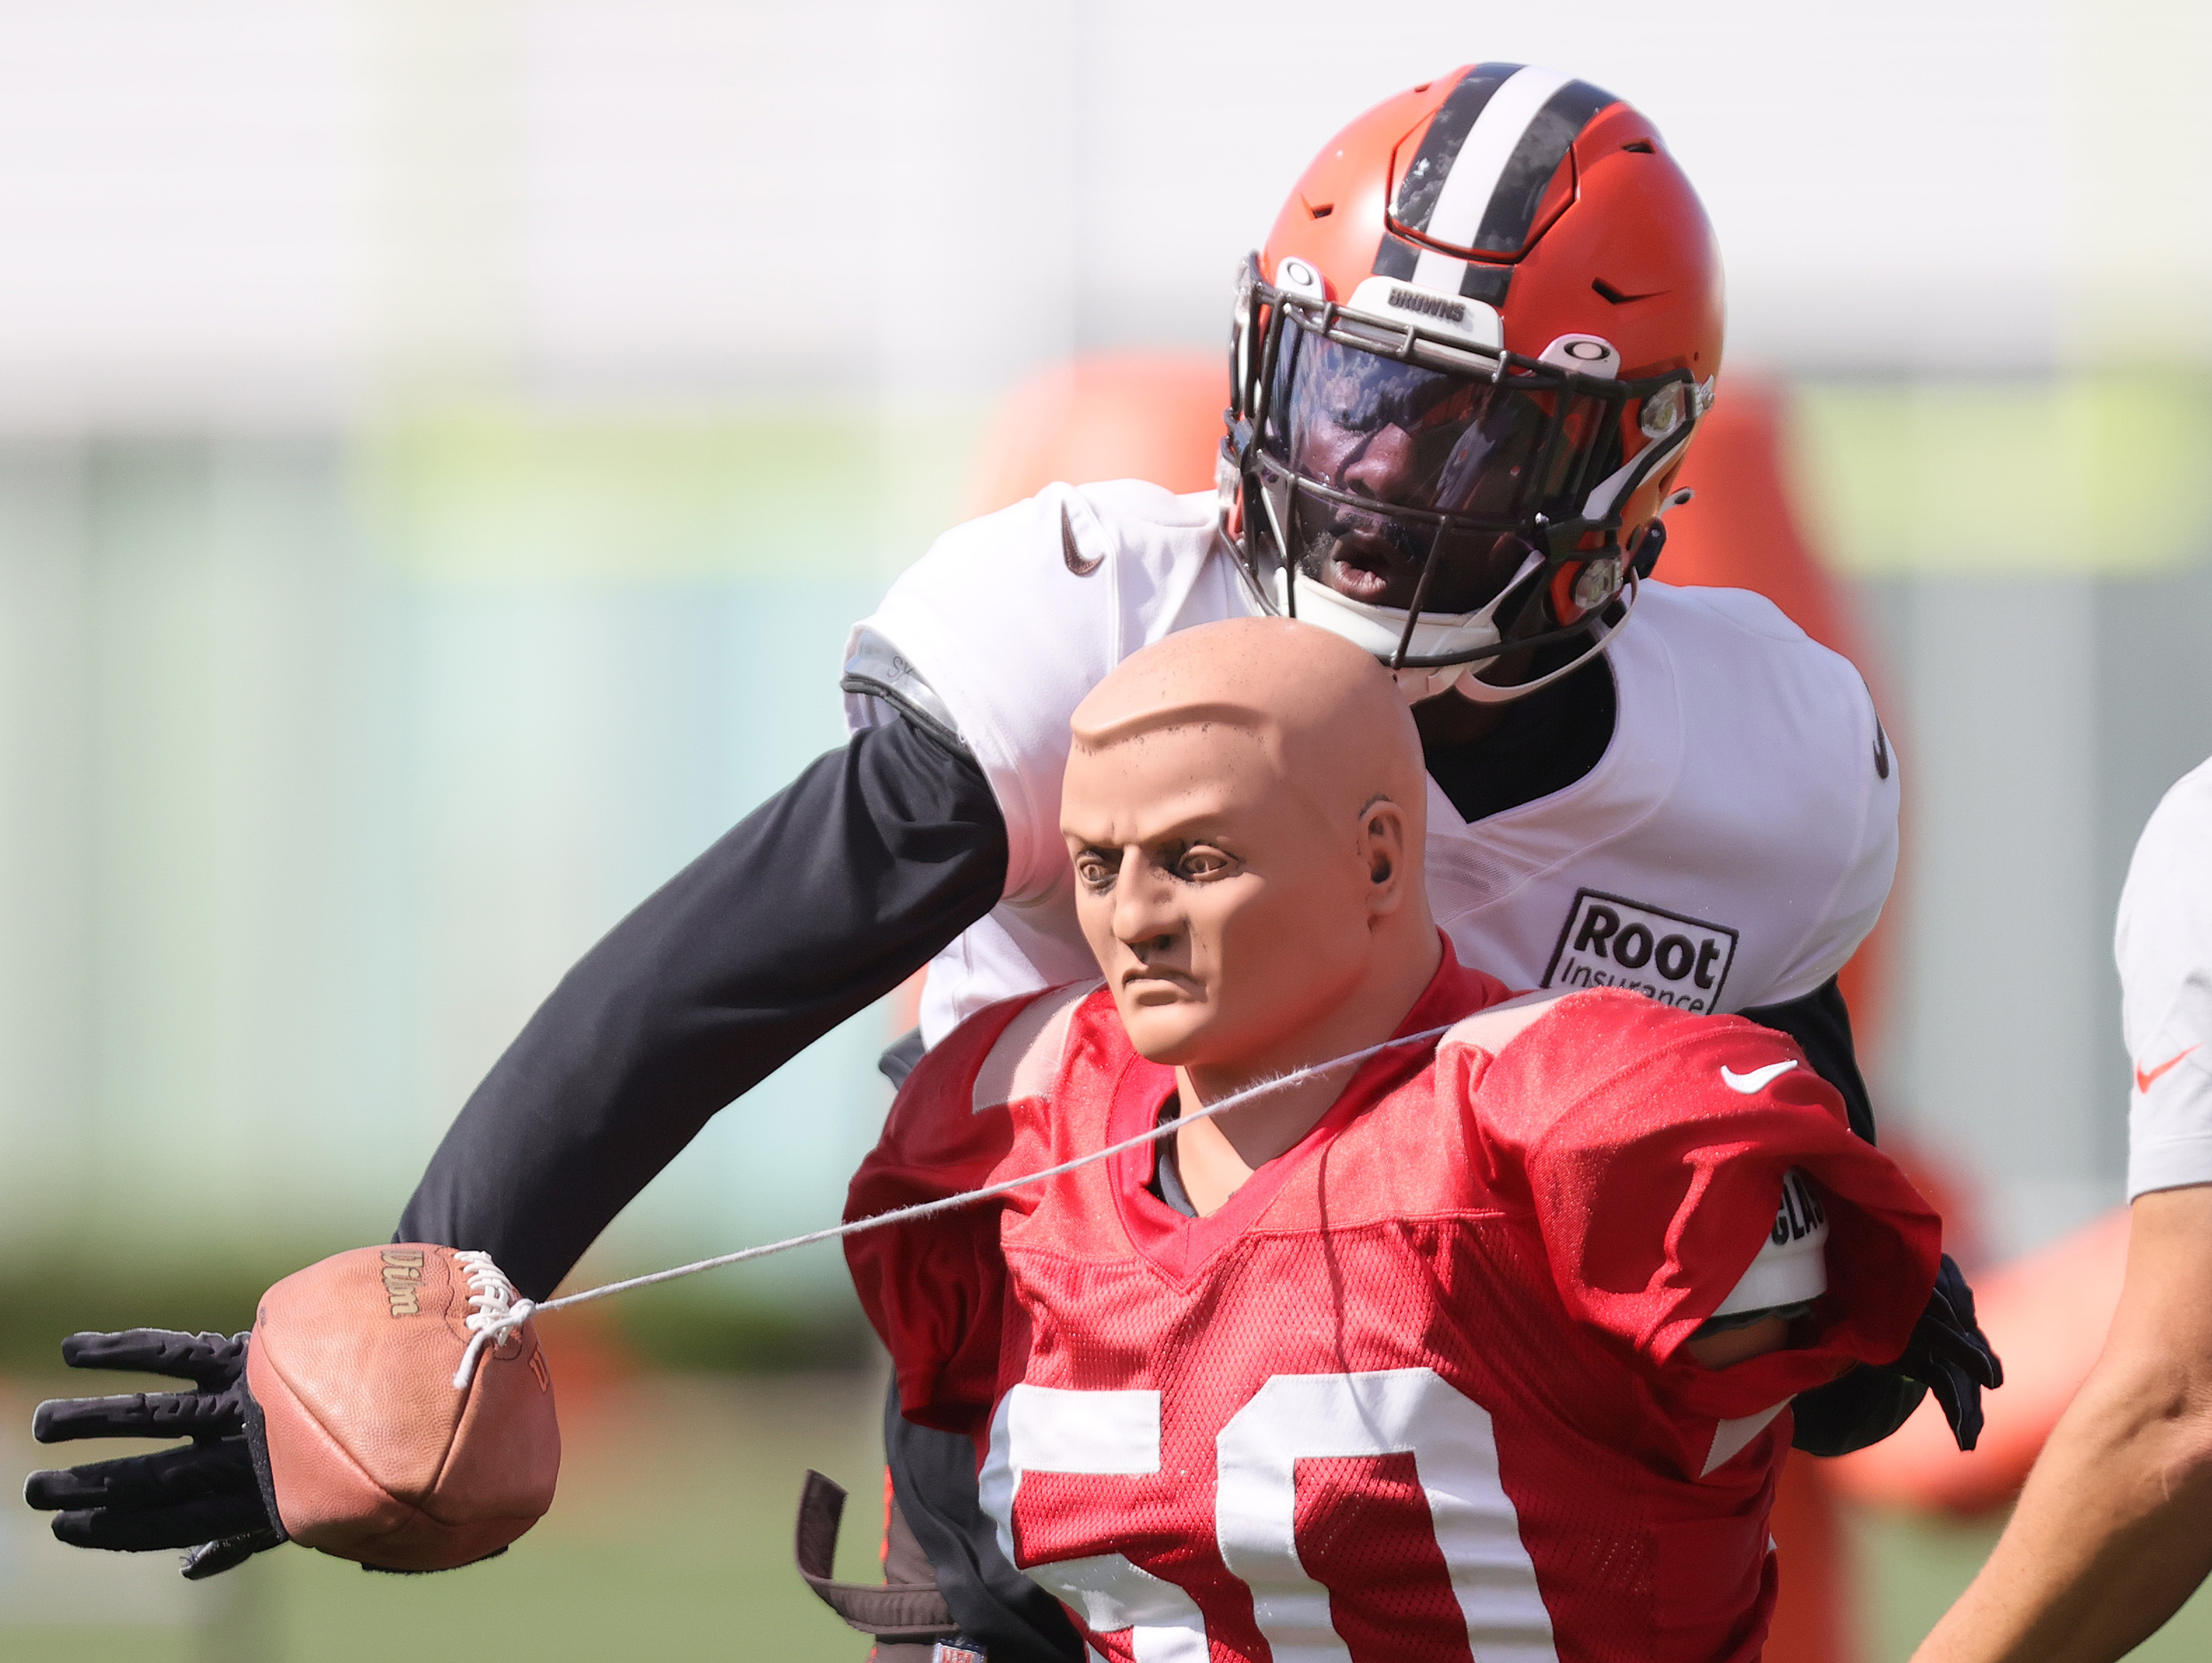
2113	1530
1467	365
1483	1348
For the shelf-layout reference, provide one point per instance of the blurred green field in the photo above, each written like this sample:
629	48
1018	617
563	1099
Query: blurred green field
1913	1570
672	1540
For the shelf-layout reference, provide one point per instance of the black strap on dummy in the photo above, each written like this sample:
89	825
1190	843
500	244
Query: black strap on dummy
888	1611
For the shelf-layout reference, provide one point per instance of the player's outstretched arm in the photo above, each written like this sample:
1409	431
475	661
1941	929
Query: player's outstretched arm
2114	1529
820	901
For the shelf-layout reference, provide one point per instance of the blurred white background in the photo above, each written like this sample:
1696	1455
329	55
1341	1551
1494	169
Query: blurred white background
257	210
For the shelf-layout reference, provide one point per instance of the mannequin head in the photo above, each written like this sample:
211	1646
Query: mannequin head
1244	804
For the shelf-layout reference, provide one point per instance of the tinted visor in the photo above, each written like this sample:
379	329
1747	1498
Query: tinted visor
1390	434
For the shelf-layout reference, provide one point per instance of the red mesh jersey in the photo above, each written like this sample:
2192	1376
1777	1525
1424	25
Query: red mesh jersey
1418	1391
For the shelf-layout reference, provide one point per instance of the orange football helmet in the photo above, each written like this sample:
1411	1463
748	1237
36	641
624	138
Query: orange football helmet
1464	369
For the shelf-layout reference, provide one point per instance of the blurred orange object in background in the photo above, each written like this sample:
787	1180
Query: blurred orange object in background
1153	416
1741	530
2047	1315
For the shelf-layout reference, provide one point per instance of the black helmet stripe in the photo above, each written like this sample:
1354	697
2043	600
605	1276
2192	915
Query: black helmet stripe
1477	280
1512	212
1475	183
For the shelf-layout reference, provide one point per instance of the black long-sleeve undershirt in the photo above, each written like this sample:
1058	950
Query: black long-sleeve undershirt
817	904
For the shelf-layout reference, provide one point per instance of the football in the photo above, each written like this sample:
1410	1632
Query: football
375	1454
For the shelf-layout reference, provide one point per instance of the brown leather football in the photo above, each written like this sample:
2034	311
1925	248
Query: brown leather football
373	1453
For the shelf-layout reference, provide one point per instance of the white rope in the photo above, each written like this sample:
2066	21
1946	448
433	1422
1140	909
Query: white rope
496	1326
499	1311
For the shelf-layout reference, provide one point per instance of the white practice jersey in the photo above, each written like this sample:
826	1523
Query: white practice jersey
2164	946
1732	847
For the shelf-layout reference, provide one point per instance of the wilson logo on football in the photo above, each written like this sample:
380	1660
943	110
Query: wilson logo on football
1609	942
403	1280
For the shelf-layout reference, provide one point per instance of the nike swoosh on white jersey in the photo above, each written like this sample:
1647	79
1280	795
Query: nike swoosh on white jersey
1756	1080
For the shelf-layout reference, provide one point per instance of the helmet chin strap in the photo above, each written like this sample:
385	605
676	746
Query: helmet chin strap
1472	686
1378	630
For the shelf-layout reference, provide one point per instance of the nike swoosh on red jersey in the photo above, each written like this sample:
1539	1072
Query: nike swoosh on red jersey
2144	1077
1748	1083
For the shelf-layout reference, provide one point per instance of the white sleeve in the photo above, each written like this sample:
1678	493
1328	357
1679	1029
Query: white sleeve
1815	781
1010	620
2163	942
1863	791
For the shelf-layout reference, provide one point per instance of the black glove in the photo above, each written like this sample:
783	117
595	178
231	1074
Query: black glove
213	1496
1947	1354
1950	1355
1861	1406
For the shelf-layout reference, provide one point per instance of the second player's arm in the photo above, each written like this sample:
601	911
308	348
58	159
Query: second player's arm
819	902
2114	1529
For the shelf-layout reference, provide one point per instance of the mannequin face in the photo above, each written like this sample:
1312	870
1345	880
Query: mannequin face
1231	912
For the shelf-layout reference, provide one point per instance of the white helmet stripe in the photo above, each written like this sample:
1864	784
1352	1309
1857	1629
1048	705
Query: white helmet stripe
1473	178
1481	171
1414	197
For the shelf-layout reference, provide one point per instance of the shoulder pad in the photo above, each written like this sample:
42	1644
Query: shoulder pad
1026	1059
1496	1026
1792	1265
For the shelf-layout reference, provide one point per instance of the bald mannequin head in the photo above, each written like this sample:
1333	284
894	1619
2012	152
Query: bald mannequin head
1245	803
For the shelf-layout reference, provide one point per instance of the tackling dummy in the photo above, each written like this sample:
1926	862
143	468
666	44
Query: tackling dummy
1486	1344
